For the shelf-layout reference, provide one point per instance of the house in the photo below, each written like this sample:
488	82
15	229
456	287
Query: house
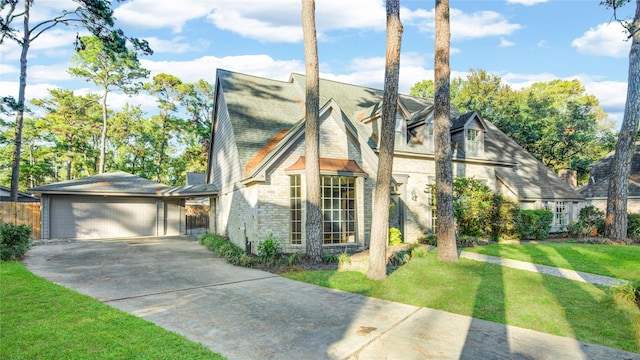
257	165
596	190
5	195
113	205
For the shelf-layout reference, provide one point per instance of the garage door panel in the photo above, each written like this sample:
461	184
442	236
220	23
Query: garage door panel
95	217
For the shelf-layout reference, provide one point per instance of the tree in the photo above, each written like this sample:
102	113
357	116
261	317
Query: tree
616	217
170	91
313	224
198	102
424	88
379	223
109	70
72	122
446	236
93	15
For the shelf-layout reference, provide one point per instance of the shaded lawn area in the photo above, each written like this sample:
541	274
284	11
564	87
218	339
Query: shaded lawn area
617	261
42	320
487	291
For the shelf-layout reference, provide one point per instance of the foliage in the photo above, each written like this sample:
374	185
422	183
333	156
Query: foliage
478	211
424	88
14	241
400	258
293	259
269	248
428	239
534	224
502	218
465	241
419	252
344	258
329	258
395	236
225	248
590	221
633	226
628	293
43	320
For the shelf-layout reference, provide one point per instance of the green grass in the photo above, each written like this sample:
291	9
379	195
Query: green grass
486	291
621	262
42	320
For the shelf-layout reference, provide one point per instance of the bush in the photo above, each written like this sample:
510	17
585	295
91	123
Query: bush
503	215
14	241
329	258
629	292
429	239
534	224
464	241
633	226
225	248
269	248
344	258
395	237
419	252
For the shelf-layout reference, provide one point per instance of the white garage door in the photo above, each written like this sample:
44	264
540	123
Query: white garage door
97	217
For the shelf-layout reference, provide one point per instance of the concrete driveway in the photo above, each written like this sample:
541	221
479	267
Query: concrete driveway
249	314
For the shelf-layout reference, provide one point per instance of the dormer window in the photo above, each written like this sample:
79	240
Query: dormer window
400	130
473	142
428	135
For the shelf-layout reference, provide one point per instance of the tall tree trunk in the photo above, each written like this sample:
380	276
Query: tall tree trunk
445	224
616	218
313	225
17	141
103	135
380	216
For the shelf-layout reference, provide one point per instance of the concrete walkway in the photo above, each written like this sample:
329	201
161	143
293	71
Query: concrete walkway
544	269
250	314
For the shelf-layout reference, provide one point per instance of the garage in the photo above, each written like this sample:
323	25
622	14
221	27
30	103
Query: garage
112	205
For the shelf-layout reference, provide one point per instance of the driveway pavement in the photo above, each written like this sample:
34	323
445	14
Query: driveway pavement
250	314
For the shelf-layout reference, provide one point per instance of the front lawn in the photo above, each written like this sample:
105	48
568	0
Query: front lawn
42	320
617	261
487	291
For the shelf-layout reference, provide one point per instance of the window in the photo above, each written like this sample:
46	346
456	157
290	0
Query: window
473	142
400	131
296	210
428	135
338	209
560	218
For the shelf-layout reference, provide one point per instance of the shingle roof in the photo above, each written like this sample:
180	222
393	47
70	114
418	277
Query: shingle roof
117	182
598	186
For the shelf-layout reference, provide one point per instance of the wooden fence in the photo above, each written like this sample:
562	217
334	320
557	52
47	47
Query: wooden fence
17	213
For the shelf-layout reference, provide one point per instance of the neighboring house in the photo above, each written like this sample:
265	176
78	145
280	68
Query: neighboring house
257	164
113	205
595	192
5	195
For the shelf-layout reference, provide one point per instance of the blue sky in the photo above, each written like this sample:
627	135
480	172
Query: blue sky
522	41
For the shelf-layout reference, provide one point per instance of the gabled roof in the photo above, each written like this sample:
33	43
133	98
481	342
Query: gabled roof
196	178
462	121
5	195
119	183
598	186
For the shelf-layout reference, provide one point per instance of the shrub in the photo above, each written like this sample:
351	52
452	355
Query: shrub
633	226
503	217
395	237
14	241
629	292
269	248
400	258
428	239
344	258
225	248
419	252
329	258
472	203
534	224
466	241
293	259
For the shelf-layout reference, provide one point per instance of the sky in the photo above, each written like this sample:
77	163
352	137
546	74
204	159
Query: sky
522	41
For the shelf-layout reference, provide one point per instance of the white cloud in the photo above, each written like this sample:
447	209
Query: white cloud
177	45
48	73
527	2
505	43
205	67
156	14
35	91
603	40
464	26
